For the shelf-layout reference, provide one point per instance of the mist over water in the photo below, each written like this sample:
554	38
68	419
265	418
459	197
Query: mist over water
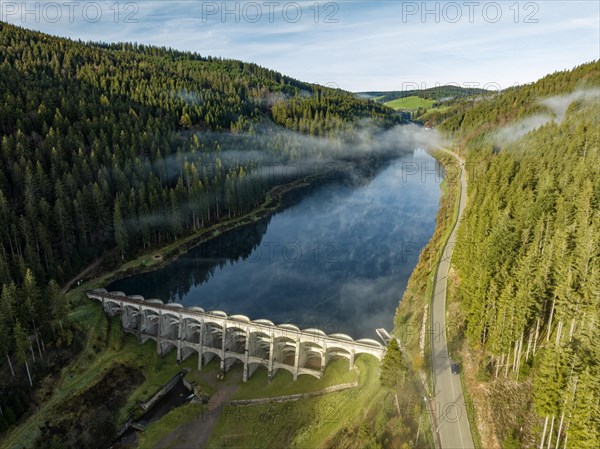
338	259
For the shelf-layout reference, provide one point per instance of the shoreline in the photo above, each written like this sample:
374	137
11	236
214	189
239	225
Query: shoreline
148	261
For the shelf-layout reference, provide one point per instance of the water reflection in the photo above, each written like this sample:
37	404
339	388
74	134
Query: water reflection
339	259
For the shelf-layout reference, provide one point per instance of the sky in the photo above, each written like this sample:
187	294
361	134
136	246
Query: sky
352	44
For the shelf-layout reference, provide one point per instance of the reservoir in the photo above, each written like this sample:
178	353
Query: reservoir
338	258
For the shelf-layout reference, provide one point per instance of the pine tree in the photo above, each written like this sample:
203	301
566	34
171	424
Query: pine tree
21	345
121	234
391	367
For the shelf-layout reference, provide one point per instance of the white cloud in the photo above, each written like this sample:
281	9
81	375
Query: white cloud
370	47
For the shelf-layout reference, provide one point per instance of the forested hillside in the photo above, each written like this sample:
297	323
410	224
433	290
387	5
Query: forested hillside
130	147
528	256
127	144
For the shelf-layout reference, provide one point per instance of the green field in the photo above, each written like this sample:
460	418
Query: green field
410	103
302	423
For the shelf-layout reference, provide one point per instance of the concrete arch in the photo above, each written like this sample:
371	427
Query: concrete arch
235	327
187	352
338	350
165	346
210	321
130	318
309	372
169	326
231	360
284	340
132	308
145	337
311	355
264	322
370	342
212	335
334	352
314	331
173	313
207	356
308	344
342	337
259	344
255	366
150	322
261	333
235	338
191	329
284	350
209	350
285	367
112	307
173	305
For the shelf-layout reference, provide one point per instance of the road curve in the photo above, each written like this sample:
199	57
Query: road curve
452	422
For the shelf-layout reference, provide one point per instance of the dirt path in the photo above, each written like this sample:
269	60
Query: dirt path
195	434
90	268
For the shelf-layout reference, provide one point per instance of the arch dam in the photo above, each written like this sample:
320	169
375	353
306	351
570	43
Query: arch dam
232	338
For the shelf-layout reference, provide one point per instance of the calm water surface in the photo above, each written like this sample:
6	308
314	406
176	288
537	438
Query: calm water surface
338	259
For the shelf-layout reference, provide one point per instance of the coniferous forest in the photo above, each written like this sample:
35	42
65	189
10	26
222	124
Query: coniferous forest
120	148
528	252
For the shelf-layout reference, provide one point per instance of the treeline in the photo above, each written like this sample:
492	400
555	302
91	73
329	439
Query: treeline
325	113
438	93
528	254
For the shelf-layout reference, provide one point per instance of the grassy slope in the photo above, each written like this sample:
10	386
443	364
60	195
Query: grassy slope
257	386
174	427
177	417
106	346
417	297
410	103
303	423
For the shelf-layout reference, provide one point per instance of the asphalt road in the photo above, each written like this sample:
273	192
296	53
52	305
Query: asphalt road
450	412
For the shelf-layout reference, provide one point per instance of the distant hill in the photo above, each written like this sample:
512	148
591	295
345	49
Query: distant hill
438	93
